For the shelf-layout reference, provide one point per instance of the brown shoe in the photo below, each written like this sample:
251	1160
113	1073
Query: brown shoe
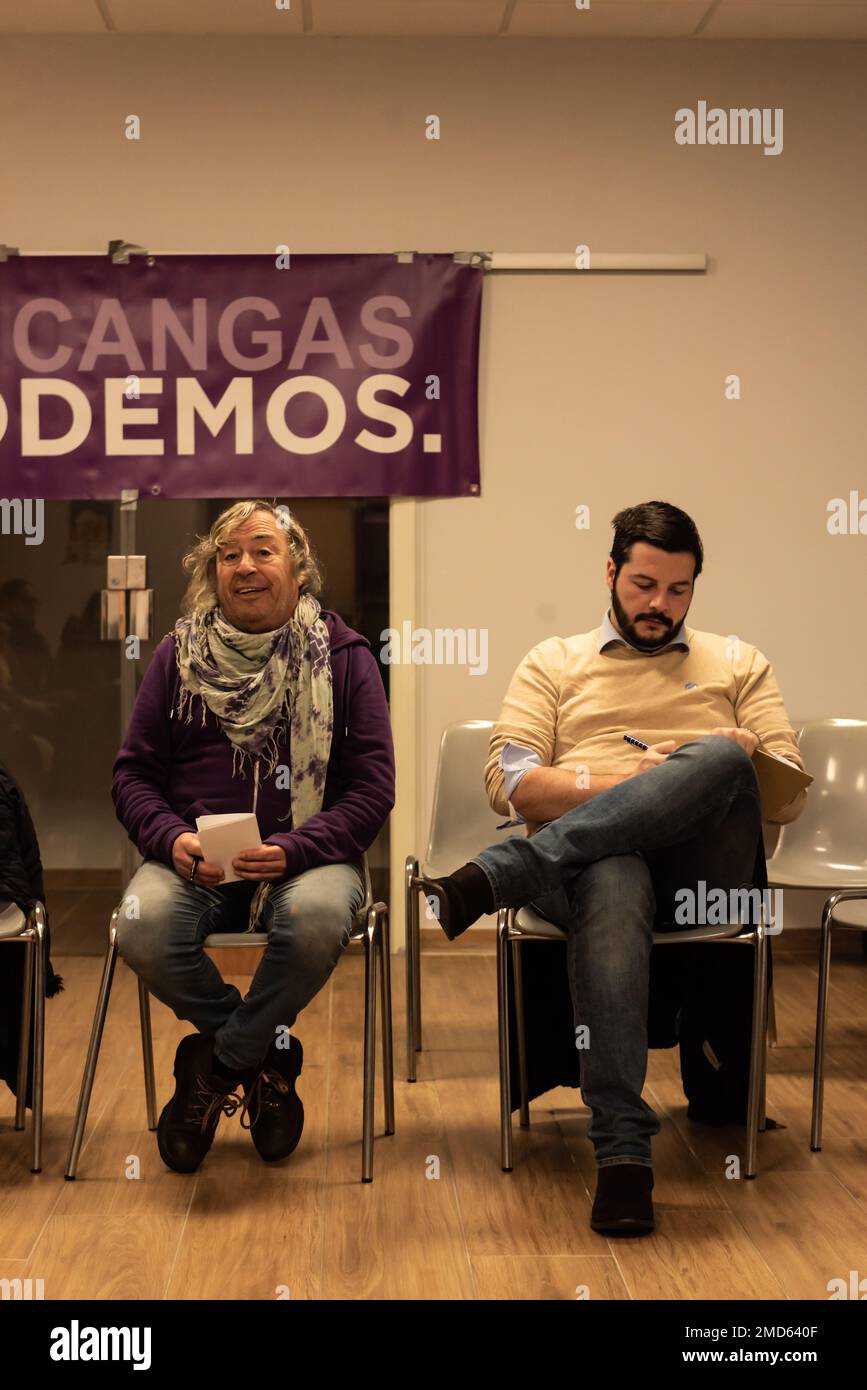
623	1206
272	1109
189	1121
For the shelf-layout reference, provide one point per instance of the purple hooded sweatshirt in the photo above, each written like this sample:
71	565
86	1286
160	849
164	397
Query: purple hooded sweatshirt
170	771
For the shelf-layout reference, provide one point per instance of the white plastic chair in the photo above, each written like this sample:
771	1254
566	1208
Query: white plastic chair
30	931
826	847
370	927
461	825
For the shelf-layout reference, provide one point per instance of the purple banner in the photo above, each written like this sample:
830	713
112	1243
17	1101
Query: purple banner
228	376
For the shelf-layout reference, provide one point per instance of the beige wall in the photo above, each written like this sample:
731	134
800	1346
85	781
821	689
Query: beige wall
600	390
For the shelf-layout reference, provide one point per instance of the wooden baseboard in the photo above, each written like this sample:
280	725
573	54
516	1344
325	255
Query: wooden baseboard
81	880
480	935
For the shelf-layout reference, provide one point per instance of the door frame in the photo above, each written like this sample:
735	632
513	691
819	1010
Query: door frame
404	593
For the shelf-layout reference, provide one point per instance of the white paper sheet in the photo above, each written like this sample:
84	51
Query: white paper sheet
223	837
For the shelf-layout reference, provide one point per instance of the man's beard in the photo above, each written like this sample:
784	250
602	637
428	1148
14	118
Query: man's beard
645	644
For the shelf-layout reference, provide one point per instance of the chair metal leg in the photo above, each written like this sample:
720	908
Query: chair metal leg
28	941
41	950
369	1046
772	1017
503	920
757	1048
147	1047
763	1086
387	1041
93	1049
413	967
821	1023
522	1034
416	970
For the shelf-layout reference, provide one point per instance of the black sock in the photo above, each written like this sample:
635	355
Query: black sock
472	888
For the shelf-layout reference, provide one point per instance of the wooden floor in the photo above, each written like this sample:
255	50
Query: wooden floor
310	1229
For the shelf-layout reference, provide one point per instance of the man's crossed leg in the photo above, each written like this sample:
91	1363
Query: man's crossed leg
608	871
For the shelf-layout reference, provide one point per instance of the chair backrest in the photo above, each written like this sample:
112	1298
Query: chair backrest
462	822
832	828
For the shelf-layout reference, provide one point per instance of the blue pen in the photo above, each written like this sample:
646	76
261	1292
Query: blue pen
636	742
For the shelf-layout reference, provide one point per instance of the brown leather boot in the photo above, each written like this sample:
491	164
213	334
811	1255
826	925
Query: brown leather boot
189	1121
272	1108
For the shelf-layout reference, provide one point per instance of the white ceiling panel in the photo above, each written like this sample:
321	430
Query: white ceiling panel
608	19
205	17
50	17
788	19
556	19
408	18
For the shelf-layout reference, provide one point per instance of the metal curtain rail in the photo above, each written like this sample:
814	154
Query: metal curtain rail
490	261
600	261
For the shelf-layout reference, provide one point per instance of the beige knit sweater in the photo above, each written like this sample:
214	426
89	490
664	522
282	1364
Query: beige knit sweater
572	704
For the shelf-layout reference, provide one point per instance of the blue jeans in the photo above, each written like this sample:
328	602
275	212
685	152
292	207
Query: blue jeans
308	920
607	872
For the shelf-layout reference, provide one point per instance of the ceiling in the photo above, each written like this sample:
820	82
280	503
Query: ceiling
504	19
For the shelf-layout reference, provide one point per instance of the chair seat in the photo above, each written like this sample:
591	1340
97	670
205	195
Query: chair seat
852	914
12	921
795	871
236	938
529	923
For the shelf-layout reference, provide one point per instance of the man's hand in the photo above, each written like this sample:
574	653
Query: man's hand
187	846
266	862
656	755
745	737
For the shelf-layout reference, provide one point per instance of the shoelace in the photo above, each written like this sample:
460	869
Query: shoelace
258	1094
206	1102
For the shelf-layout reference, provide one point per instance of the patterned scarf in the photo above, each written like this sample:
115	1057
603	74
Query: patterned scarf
254	683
